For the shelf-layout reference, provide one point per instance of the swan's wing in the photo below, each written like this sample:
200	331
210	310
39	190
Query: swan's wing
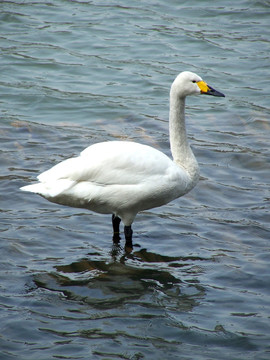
110	163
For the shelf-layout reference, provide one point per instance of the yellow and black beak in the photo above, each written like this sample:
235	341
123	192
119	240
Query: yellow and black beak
208	90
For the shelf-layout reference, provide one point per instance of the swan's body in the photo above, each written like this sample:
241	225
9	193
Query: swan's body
123	178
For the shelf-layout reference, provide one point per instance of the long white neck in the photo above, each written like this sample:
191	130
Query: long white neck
181	151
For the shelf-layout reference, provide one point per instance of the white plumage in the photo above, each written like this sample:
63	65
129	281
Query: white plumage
123	178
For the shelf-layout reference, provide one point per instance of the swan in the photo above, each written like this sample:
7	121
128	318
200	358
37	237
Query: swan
123	178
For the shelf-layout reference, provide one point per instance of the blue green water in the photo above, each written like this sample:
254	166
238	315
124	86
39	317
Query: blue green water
196	285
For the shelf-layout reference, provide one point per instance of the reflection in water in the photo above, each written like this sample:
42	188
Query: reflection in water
107	284
133	301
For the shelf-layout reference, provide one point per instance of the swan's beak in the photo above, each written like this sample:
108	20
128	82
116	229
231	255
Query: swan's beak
208	90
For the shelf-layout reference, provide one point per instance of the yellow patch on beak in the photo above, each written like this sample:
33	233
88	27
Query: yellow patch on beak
203	86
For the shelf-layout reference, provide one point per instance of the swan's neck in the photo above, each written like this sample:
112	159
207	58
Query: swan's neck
181	151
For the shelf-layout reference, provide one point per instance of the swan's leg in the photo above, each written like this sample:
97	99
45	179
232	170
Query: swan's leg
128	235
116	232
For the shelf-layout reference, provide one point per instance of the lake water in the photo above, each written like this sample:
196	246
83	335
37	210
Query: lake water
197	283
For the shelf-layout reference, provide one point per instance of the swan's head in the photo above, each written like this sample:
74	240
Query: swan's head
188	83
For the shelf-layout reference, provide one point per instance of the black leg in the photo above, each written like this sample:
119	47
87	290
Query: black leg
128	235
116	233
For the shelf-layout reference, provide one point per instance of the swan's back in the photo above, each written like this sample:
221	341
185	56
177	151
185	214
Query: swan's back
114	162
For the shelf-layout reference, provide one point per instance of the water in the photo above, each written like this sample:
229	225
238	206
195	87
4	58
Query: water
196	285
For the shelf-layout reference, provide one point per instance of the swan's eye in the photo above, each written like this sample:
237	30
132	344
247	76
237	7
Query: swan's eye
194	81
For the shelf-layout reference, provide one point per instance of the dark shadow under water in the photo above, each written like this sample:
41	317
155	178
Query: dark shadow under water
127	276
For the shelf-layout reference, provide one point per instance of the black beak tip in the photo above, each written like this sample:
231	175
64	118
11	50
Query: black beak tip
214	92
220	94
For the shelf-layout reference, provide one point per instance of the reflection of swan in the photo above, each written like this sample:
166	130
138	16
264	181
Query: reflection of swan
140	275
123	178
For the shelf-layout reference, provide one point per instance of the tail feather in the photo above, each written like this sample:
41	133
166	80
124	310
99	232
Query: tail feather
35	188
49	190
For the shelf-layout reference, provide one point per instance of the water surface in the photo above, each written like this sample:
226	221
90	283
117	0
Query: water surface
196	285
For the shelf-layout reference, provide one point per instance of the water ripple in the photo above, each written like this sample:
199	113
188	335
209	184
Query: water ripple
196	284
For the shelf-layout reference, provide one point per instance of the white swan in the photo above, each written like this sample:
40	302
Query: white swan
122	178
